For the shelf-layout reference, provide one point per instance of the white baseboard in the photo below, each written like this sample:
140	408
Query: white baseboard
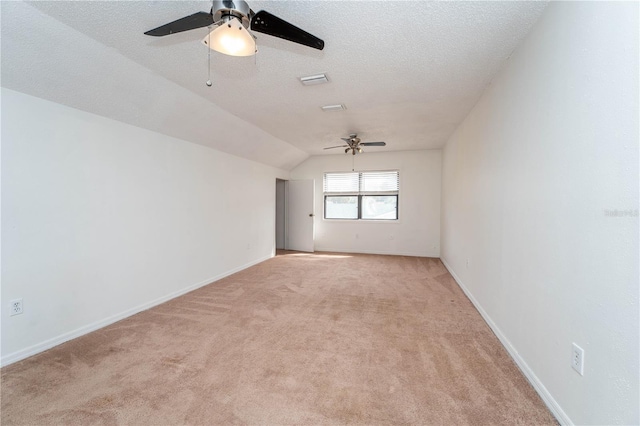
389	253
65	337
548	399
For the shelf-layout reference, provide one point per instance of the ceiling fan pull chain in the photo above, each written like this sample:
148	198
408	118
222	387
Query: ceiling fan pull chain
209	83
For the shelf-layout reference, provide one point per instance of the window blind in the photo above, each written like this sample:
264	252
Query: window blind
341	183
387	182
378	182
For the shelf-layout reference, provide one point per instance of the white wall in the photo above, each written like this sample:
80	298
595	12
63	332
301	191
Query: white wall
529	181
416	233
101	219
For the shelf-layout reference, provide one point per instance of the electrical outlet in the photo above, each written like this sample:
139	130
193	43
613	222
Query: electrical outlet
15	307
577	359
467	263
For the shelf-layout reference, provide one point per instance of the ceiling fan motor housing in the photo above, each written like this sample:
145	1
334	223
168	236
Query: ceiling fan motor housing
223	10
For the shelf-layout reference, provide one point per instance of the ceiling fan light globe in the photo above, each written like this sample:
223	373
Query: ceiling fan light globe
231	38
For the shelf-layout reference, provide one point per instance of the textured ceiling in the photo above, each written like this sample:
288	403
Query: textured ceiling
407	71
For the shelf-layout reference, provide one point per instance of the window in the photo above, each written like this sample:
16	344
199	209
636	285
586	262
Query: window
361	195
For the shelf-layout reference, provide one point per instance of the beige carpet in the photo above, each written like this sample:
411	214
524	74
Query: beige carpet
298	339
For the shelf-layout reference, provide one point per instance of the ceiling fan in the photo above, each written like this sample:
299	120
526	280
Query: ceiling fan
231	19
354	144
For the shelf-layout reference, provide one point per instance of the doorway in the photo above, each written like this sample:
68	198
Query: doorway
294	215
281	214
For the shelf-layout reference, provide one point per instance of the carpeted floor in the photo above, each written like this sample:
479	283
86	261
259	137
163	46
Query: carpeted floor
299	339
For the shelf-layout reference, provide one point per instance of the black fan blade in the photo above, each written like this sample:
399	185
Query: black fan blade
373	144
191	22
337	146
347	140
266	23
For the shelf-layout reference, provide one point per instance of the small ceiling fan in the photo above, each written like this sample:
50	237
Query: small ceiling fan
231	19
355	145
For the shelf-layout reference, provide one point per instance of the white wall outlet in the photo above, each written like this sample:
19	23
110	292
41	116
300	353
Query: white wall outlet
577	359
467	263
15	307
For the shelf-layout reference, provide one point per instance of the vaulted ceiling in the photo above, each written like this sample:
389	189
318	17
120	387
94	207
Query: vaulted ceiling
408	71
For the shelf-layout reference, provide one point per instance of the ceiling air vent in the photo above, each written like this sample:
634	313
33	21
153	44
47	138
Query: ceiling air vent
329	108
314	79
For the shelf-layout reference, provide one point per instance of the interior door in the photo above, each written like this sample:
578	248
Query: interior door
300	215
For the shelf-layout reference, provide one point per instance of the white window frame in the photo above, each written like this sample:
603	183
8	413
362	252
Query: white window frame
360	193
